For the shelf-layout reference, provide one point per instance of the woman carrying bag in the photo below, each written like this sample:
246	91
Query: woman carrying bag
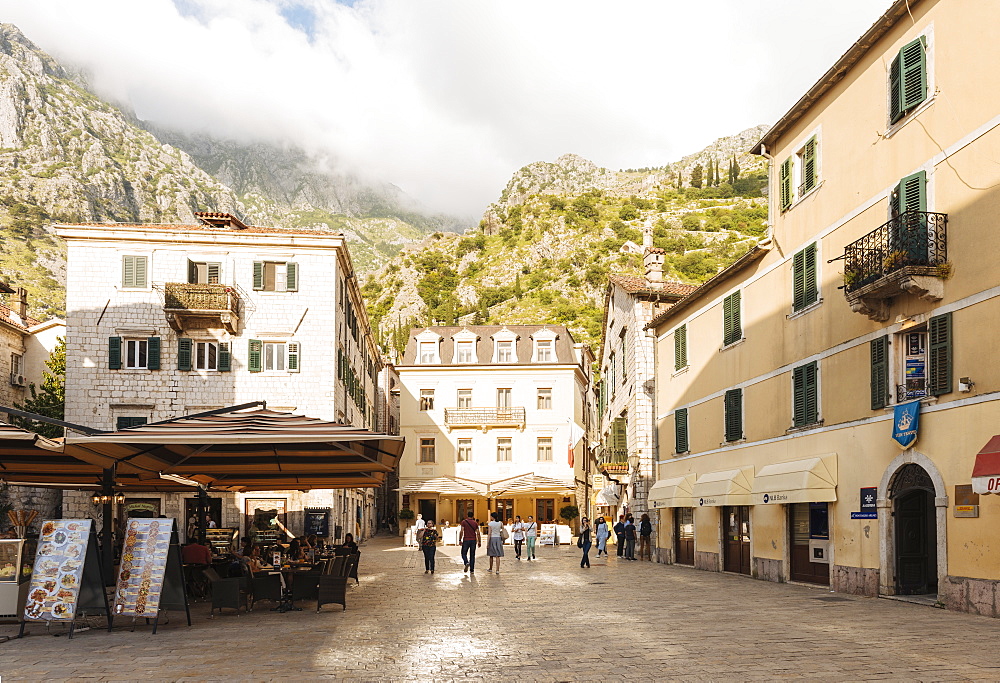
584	542
494	543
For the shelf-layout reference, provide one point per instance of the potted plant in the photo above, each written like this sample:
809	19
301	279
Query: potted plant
406	516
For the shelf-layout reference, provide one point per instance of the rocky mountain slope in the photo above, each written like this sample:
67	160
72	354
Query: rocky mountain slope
68	156
544	249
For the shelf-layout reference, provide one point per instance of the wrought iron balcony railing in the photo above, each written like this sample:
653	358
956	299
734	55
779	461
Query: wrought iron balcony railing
199	305
914	240
911	389
484	417
613	459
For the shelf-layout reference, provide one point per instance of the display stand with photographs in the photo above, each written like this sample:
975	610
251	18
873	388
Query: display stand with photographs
67	580
150	576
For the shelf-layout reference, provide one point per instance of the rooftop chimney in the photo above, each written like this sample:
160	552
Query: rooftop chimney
22	303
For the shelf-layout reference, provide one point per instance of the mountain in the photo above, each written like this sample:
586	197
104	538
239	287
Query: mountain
543	251
68	156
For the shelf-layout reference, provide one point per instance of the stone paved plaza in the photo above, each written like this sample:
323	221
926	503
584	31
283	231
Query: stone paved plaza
547	620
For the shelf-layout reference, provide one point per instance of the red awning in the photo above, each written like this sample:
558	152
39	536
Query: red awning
986	472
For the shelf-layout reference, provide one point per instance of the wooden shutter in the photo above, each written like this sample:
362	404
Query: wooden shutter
115	353
619	434
258	275
153	353
681	430
811	289
134	271
913	74
809	165
798	280
291	277
214	273
192	272
805	395
732	329
680	347
225	357
912	192
939	342
254	356
734	414
895	90
292	363
880	372
184	347
140	271
785	183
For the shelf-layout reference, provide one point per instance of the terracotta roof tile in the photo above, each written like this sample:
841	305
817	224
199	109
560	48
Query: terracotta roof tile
640	285
6	315
253	229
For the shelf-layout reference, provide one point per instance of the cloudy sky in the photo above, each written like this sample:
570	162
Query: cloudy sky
447	98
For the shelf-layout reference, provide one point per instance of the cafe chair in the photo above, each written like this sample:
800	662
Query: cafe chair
352	567
227	592
265	587
335	566
305	586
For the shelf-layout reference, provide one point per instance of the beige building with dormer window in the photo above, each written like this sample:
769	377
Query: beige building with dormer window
488	413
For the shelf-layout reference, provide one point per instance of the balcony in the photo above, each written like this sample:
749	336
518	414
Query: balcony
906	255
201	306
483	418
613	460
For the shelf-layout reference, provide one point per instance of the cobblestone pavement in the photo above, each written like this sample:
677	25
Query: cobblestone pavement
547	620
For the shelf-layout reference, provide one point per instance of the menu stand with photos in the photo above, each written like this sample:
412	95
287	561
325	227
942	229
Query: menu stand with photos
67	580
151	576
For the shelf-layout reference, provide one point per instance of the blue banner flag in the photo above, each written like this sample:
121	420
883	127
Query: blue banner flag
905	421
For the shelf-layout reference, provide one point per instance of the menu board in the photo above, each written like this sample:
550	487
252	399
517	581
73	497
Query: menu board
548	536
58	573
143	565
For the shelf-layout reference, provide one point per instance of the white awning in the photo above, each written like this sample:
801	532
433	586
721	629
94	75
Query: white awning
608	496
531	483
727	487
445	486
673	493
813	480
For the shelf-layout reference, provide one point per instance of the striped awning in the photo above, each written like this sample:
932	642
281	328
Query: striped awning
447	486
531	483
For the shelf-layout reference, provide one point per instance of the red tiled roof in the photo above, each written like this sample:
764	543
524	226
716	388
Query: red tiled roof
640	285
26	322
257	230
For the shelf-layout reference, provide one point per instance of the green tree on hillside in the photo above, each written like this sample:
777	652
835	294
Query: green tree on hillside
710	179
51	400
697	173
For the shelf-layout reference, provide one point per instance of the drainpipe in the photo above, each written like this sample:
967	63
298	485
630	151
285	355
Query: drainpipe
653	545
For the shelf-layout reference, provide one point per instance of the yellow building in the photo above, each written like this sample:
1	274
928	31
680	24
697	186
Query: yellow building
781	381
495	419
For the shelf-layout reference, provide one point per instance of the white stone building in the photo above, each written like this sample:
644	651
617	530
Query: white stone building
169	320
490	414
626	456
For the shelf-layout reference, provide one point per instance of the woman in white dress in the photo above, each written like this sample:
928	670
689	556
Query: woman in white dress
494	546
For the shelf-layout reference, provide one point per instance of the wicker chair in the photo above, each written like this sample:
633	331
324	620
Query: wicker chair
229	592
265	587
352	566
305	586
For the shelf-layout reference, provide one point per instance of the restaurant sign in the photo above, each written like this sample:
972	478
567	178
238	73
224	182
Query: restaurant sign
143	565
58	572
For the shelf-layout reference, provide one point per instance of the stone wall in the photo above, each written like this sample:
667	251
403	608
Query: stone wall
768	570
664	555
854	580
707	561
964	594
48	503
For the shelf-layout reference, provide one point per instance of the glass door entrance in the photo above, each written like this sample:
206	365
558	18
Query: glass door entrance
684	535
736	539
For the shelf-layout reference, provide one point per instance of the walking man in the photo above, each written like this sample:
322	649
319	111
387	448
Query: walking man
418	528
620	535
517	531
471	539
630	538
530	534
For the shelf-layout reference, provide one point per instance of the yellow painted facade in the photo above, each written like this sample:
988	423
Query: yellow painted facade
860	157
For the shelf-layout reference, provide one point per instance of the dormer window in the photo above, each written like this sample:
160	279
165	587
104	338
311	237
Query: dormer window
505	351
543	351
464	352
428	345
428	353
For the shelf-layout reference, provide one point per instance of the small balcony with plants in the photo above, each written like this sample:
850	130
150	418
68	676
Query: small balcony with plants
200	306
484	418
613	461
906	255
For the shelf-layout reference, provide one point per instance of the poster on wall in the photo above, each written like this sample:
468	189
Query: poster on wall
317	522
66	580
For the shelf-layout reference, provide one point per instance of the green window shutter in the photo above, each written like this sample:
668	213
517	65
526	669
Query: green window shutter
225	357
811	280
681	430
734	414
291	276
913	74
939	344
184	347
140	271
134	271
294	354
619	434
115	353
258	275
880	372
895	89
126	422
785	183
732	327
214	273
680	348
912	193
153	353
805	403
254	356
809	165
798	280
